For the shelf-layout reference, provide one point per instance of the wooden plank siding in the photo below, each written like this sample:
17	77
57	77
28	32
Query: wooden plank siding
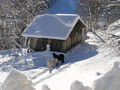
74	38
41	44
56	45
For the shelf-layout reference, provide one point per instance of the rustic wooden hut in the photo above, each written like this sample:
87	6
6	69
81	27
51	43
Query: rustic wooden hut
61	31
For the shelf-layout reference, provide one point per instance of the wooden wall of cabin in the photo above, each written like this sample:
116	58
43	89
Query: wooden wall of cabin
74	38
56	45
41	44
37	44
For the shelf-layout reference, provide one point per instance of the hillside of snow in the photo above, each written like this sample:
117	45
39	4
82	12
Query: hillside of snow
87	66
63	6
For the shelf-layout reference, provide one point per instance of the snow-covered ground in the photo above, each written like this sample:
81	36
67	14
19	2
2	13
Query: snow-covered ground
85	65
63	6
17	81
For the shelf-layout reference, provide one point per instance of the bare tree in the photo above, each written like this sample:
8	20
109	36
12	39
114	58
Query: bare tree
15	15
99	13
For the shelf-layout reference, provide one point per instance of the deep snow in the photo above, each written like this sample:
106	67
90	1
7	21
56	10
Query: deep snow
76	85
63	6
17	81
45	87
111	80
87	62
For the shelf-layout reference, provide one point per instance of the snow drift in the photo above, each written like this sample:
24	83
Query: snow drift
111	80
17	81
63	6
76	85
45	87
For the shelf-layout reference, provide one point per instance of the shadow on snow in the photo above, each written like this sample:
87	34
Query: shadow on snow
80	52
36	60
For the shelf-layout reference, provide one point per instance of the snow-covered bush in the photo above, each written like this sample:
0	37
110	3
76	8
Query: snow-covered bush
98	73
15	15
17	81
110	81
76	85
45	87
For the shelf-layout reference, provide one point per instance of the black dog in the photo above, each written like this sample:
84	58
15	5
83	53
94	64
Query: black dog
60	57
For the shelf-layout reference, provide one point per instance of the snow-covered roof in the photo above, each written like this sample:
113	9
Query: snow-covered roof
53	26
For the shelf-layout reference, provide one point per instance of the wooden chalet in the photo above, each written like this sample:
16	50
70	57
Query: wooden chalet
61	31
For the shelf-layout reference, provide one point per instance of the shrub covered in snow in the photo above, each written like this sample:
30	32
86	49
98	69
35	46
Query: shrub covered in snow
111	80
45	87
98	73
76	85
17	81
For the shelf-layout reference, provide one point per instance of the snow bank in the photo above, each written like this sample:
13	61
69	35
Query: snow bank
110	81
76	85
0	88
63	6
17	81
115	23
45	87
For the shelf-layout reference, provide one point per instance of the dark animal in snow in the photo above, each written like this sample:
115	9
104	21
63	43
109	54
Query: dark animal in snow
60	57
